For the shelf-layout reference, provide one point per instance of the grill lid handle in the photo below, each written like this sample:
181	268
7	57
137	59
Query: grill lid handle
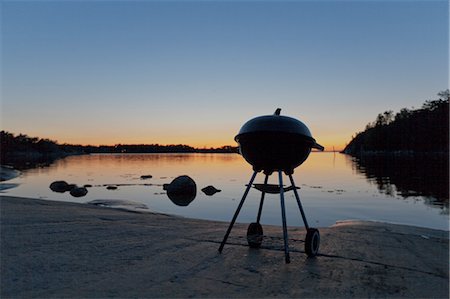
318	146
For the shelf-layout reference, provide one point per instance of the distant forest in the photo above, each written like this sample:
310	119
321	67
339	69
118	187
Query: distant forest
22	148
424	130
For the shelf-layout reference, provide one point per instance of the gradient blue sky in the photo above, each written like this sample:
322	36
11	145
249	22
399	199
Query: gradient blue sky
192	72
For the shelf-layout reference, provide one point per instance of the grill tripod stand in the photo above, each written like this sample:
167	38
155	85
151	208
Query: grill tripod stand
254	232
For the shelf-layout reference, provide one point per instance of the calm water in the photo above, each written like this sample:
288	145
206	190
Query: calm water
333	187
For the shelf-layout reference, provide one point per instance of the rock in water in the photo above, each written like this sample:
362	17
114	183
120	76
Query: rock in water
145	177
182	185
78	192
60	186
210	190
182	190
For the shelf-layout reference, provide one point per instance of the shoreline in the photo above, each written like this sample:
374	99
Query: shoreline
59	249
140	208
8	173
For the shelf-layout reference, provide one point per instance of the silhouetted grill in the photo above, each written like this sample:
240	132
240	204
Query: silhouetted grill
275	143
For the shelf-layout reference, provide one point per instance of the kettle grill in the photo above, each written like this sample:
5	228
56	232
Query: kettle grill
275	143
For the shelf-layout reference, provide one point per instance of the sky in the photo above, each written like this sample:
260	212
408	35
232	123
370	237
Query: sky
193	72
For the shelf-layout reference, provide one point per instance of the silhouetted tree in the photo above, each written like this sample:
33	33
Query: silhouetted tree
420	130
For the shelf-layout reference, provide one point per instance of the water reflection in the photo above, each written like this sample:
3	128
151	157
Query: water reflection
20	163
333	187
407	176
181	200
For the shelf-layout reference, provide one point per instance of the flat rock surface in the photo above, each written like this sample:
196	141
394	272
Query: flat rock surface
54	249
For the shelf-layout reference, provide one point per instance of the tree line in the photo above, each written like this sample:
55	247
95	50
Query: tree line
410	130
144	148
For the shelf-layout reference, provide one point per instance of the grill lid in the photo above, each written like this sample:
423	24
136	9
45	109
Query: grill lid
280	124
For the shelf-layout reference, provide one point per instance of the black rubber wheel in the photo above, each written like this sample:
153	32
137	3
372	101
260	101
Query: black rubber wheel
254	235
312	242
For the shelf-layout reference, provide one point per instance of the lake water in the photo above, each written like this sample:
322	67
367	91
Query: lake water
333	187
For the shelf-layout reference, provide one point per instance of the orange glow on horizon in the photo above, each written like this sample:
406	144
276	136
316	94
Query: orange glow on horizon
329	145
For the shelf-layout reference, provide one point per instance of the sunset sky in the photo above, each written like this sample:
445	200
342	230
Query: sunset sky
192	72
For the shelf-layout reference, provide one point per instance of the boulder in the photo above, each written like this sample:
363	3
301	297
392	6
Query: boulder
210	190
182	185
111	187
78	191
182	190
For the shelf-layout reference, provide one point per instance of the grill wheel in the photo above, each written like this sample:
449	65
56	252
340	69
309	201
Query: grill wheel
254	235
312	242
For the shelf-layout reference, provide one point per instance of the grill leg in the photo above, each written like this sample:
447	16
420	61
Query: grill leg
237	212
283	215
299	203
262	200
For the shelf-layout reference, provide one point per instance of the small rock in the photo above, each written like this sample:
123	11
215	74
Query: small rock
210	190
111	187
78	191
59	186
87	186
146	177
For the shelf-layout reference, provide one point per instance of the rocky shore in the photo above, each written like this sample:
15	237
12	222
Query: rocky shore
55	249
8	173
